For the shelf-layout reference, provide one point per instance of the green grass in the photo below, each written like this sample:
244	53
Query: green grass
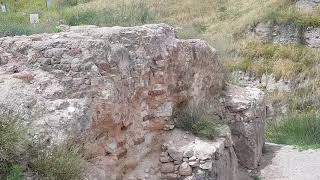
298	129
13	24
290	15
11	171
198	121
63	163
257	178
12	147
126	13
19	155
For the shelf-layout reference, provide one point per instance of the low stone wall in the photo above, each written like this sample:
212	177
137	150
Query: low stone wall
188	157
184	156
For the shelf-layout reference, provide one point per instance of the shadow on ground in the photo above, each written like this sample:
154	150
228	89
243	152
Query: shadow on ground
269	152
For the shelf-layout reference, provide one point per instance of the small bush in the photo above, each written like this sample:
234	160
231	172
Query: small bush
299	129
12	141
62	163
15	173
12	147
199	122
18	155
256	177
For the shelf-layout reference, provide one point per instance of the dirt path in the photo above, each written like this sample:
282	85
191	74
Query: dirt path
287	163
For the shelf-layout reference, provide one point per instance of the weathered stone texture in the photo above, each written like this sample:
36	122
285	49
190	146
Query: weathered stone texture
117	84
307	5
312	37
201	159
247	113
276	33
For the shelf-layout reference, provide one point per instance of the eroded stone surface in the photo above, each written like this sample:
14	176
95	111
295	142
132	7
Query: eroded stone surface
276	33
117	87
307	5
312	37
207	160
246	108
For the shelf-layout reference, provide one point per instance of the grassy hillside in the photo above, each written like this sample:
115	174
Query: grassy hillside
217	21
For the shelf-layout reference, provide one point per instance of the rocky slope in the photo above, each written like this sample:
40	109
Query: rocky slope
116	88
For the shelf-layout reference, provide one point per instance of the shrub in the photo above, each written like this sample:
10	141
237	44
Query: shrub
12	147
85	17
15	173
198	121
62	163
18	155
12	141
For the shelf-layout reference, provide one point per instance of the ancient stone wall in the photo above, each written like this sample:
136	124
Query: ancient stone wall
115	87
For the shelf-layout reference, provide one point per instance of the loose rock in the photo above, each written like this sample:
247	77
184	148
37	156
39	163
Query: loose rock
185	169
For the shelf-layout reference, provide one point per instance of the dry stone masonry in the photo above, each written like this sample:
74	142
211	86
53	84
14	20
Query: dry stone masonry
193	158
116	89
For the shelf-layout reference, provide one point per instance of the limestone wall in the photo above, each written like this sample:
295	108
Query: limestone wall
116	88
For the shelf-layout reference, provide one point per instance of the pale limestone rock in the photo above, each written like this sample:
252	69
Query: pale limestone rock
164	157
286	34
194	163
312	37
262	32
223	168
170	176
188	154
167	167
193	158
275	33
175	154
307	5
185	169
246	115
206	165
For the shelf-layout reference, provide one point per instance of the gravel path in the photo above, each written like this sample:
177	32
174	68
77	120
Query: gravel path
287	163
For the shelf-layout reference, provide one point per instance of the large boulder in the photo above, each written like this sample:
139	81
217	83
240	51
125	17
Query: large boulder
246	114
117	87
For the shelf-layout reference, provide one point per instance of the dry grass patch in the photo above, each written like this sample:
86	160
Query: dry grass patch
283	61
